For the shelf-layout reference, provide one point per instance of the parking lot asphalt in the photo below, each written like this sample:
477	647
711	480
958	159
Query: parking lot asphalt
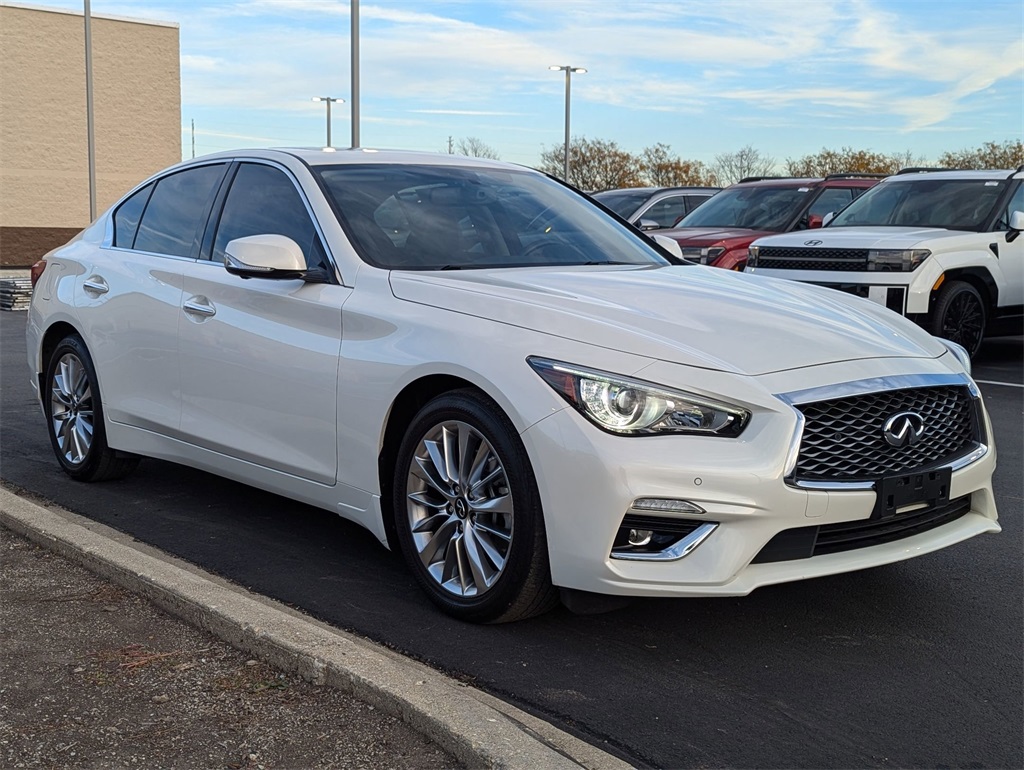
916	664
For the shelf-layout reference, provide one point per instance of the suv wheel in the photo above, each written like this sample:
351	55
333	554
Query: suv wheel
959	315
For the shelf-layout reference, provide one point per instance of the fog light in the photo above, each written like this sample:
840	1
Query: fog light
659	538
638	537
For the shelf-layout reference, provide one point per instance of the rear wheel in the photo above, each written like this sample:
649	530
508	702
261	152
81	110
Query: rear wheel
74	413
468	513
959	315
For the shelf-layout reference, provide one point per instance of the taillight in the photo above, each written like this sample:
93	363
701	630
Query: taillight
37	271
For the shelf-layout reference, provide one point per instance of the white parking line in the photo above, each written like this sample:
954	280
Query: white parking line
1007	384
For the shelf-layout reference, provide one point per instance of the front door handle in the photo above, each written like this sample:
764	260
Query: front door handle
96	285
199	306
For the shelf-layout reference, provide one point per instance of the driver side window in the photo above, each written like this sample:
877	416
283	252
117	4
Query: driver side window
1016	204
263	200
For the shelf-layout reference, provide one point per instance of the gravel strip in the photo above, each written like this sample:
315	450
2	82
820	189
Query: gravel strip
94	676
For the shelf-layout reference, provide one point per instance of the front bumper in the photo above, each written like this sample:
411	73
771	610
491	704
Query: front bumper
589	479
901	292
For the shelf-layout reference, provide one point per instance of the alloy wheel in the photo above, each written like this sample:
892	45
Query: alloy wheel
964	321
71	409
460	509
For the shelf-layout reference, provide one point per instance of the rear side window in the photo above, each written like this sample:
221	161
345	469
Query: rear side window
667	211
693	201
263	201
127	216
175	212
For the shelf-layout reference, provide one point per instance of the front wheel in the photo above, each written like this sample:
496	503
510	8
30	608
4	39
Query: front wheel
959	315
468	514
74	414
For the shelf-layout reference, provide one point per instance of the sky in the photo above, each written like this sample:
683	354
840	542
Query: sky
706	77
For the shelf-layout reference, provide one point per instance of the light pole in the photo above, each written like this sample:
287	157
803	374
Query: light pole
328	100
90	128
354	11
568	86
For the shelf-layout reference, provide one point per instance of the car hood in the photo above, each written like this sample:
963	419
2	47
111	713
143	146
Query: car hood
863	237
705	236
696	316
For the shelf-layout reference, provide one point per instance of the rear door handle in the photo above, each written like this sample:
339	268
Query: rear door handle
96	285
199	306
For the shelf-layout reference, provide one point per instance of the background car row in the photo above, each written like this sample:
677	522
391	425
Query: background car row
937	246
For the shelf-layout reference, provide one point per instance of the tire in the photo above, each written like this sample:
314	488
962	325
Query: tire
960	315
74	416
468	514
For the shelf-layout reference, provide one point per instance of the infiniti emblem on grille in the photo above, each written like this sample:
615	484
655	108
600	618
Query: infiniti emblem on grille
903	429
812	243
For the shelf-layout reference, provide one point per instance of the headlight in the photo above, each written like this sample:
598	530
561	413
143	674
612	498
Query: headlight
702	254
896	260
752	255
636	408
960	352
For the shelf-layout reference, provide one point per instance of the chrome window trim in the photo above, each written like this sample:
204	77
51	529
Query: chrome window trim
108	226
683	548
877	385
156	254
658	198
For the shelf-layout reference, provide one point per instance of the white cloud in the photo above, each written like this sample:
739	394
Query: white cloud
465	112
658	69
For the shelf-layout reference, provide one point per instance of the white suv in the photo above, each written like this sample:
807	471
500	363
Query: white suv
940	247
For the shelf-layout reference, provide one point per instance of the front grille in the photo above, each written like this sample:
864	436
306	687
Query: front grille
843	438
799	258
805	542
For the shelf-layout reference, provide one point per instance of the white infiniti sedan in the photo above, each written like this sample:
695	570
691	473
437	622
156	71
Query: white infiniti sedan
521	393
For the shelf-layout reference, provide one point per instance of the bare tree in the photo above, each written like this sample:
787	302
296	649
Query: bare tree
594	164
848	160
1008	154
476	148
661	168
731	167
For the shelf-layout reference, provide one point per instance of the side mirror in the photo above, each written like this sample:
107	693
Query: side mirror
814	221
265	256
671	245
648	224
1016	225
828	218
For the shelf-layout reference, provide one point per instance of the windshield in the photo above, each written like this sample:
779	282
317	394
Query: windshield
952	204
753	208
622	203
448	217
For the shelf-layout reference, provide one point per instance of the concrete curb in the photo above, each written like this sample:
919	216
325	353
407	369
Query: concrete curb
479	729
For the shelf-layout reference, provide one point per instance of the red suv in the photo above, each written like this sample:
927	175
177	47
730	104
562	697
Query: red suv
719	232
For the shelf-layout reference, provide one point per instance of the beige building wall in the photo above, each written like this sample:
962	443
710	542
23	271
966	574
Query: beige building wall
44	172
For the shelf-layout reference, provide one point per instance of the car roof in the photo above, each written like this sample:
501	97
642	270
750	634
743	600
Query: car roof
319	156
656	190
910	174
832	180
